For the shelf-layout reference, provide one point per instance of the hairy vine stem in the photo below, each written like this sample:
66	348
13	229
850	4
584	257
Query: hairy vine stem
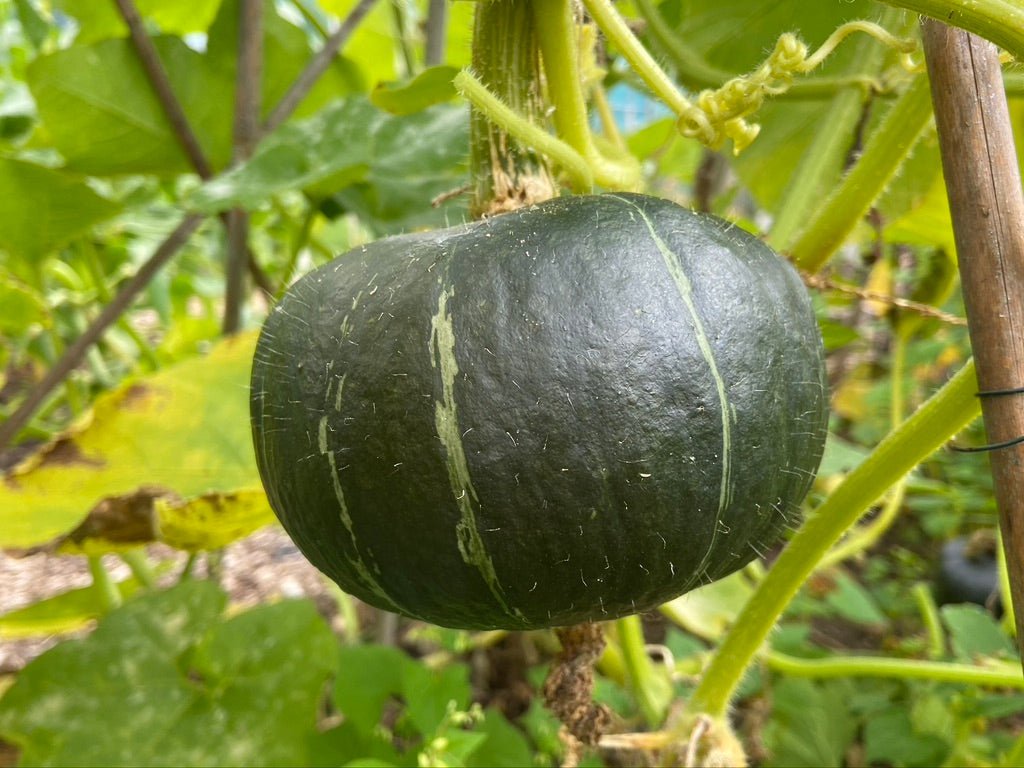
935	422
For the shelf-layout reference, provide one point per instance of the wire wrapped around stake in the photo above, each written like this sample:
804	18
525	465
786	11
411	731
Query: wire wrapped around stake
994	446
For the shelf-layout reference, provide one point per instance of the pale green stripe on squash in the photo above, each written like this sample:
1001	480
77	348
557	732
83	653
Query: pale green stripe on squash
675	269
471	545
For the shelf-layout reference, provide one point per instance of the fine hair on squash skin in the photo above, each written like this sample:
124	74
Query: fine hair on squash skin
567	413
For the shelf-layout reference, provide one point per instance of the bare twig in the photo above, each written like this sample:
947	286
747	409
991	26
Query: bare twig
75	353
984	188
245	135
927	310
176	116
316	67
150	60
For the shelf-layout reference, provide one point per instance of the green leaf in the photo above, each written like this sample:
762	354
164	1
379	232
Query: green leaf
43	208
368	677
119	689
811	724
389	168
417	158
23	307
261	675
348	743
97	21
431	86
973	632
505	745
430	693
180	434
163	682
851	601
372	45
101	114
334	146
890	738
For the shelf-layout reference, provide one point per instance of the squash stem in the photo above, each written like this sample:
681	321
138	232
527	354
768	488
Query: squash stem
508	170
865	536
557	35
140	566
944	414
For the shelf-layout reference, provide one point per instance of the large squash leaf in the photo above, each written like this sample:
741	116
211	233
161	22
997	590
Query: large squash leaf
100	111
388	167
168	457
165	680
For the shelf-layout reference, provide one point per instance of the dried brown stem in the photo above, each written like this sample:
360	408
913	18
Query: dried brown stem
74	354
316	67
987	206
569	688
927	310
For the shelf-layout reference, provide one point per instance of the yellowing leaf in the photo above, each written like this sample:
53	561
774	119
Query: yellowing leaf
182	434
212	521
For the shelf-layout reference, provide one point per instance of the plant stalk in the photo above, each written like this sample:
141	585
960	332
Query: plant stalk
245	134
506	173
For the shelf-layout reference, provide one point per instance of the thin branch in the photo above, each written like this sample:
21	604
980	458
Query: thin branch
75	353
150	60
316	67
244	138
926	310
983	184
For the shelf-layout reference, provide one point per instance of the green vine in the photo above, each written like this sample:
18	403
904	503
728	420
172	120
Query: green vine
721	114
942	416
1002	676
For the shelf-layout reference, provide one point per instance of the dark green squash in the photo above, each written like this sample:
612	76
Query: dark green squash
566	413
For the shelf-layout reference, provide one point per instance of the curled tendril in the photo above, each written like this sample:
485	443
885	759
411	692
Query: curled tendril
720	114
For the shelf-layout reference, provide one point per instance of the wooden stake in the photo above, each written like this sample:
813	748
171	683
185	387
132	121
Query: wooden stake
987	205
